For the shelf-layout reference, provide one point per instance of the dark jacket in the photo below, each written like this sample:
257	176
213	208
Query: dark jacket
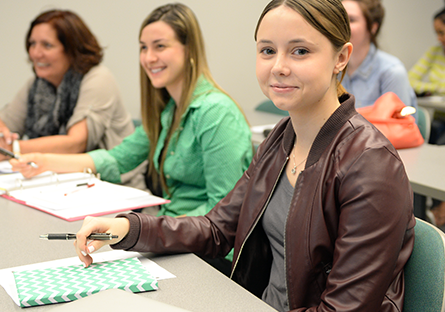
349	230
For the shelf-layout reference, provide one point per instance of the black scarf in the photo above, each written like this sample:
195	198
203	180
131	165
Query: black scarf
50	108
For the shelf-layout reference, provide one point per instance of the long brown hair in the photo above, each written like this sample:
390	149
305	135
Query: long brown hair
329	17
153	101
79	43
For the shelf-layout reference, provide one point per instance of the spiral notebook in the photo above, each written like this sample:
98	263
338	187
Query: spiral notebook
73	196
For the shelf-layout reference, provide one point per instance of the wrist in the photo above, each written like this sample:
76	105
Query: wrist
16	147
130	231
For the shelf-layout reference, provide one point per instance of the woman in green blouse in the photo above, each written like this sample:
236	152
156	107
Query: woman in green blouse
196	138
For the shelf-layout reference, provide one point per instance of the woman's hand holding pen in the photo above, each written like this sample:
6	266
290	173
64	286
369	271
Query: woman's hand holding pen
6	138
6	135
117	226
23	164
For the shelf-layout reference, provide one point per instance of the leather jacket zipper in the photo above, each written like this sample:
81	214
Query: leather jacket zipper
259	216
284	243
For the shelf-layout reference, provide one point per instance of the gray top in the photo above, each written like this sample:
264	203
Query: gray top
273	222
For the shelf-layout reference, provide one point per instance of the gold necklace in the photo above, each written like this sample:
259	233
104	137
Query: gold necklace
294	169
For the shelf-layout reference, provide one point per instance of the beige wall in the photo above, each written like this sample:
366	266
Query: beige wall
228	28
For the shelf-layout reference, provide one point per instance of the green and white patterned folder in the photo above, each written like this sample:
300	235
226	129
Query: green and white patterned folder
63	284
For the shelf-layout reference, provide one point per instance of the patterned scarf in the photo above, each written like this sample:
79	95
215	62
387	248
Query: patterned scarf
50	108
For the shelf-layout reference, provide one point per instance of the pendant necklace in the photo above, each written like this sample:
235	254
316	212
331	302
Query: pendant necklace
294	169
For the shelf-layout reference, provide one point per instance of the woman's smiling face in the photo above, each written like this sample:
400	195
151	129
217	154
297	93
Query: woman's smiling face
295	62
48	54
163	57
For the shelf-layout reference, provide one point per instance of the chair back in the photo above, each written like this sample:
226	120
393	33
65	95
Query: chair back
425	270
268	106
137	122
424	122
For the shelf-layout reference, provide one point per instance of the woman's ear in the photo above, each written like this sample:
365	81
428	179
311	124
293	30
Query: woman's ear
375	26
343	57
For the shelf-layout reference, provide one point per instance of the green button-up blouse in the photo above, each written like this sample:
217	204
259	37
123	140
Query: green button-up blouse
206	155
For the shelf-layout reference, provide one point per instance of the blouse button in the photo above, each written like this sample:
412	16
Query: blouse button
172	153
167	176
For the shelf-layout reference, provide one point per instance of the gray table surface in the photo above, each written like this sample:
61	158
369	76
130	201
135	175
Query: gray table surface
435	102
197	286
425	166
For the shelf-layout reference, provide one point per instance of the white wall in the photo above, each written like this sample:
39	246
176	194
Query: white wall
228	28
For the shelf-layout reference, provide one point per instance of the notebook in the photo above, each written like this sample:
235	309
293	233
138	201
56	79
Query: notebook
74	282
73	196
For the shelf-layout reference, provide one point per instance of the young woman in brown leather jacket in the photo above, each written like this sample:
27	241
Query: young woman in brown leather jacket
322	219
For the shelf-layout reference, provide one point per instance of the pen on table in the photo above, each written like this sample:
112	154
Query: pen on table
68	236
79	185
12	155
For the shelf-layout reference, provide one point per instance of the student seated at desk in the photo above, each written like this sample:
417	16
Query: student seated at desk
427	77
317	221
195	136
372	72
72	105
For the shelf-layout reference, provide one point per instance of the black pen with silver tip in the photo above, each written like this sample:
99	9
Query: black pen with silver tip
68	236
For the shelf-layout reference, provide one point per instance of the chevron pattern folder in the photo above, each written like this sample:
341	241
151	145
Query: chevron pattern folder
63	284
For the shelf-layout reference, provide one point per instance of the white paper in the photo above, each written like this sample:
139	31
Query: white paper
7	280
5	167
61	195
260	129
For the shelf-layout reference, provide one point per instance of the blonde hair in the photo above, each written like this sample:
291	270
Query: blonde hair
153	101
329	17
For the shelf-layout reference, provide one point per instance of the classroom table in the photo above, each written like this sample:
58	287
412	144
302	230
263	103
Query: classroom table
425	166
434	102
197	286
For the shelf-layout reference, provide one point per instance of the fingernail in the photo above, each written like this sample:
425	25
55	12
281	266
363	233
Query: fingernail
84	264
83	253
91	249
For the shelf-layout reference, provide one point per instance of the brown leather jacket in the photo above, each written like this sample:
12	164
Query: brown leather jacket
349	231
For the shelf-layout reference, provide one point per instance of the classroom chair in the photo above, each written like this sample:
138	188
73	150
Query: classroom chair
137	122
424	122
267	106
425	270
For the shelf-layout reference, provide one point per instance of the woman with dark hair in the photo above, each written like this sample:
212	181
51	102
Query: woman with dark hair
372	72
72	104
322	219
